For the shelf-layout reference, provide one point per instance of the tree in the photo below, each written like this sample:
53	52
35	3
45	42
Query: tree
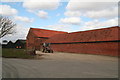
4	41
6	26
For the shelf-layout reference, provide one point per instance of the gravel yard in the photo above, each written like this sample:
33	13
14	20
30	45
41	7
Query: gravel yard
61	65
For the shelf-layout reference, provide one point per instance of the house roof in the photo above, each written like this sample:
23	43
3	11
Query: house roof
104	34
21	41
45	33
10	42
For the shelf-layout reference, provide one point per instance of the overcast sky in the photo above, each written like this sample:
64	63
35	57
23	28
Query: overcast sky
57	15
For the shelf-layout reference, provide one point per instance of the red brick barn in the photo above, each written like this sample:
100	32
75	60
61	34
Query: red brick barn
36	37
100	41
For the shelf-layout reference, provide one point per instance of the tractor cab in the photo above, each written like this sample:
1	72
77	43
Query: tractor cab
47	48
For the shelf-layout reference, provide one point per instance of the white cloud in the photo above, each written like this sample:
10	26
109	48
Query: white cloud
42	14
60	27
41	4
37	6
67	0
110	13
94	9
7	10
88	6
72	13
96	24
23	19
71	20
94	0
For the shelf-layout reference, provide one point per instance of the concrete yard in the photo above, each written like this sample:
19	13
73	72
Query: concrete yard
61	65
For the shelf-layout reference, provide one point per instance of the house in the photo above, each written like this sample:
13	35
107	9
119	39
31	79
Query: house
20	44
99	41
36	37
10	44
4	45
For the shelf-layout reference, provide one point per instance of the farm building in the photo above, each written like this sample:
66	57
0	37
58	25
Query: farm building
20	44
99	41
36	37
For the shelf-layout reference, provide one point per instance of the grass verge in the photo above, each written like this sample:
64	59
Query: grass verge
16	53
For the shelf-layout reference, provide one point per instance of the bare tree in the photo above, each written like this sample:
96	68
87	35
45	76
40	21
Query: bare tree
6	26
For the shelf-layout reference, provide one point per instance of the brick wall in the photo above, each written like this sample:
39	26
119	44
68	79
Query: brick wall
30	41
102	48
105	48
38	43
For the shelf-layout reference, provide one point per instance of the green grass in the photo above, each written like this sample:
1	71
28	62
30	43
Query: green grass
16	53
